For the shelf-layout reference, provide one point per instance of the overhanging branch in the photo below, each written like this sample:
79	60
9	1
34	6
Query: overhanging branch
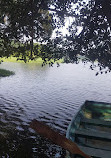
107	10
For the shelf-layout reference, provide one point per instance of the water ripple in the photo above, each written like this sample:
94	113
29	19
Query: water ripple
52	95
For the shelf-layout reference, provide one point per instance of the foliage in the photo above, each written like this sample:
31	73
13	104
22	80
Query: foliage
23	19
4	73
36	20
94	40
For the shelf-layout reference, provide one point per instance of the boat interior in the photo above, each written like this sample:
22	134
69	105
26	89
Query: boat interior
91	129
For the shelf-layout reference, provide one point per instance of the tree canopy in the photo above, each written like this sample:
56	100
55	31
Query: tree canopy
22	22
37	20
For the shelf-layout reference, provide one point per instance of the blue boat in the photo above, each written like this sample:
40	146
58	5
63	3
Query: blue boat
90	129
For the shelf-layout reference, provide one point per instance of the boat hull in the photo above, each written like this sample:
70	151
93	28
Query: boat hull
90	129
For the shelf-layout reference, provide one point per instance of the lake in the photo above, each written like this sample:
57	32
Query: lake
49	94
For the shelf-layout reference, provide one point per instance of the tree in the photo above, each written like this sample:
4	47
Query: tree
94	41
92	16
22	22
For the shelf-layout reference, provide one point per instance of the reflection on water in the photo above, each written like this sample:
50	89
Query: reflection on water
52	95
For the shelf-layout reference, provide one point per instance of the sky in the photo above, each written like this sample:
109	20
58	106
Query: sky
64	29
68	22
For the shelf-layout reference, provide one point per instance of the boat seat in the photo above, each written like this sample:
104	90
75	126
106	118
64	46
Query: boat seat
96	152
93	134
96	122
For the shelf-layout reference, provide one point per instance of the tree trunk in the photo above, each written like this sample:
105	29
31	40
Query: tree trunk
32	33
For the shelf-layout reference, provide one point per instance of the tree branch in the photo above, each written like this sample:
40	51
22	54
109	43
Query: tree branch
107	10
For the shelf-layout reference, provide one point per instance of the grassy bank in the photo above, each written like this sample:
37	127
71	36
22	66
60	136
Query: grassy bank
5	73
14	59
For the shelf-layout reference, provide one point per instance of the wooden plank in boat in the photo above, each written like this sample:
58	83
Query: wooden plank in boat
96	122
84	133
96	152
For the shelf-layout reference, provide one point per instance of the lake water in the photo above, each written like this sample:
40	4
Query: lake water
49	94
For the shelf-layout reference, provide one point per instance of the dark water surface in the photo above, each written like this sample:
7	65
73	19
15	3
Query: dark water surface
50	94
